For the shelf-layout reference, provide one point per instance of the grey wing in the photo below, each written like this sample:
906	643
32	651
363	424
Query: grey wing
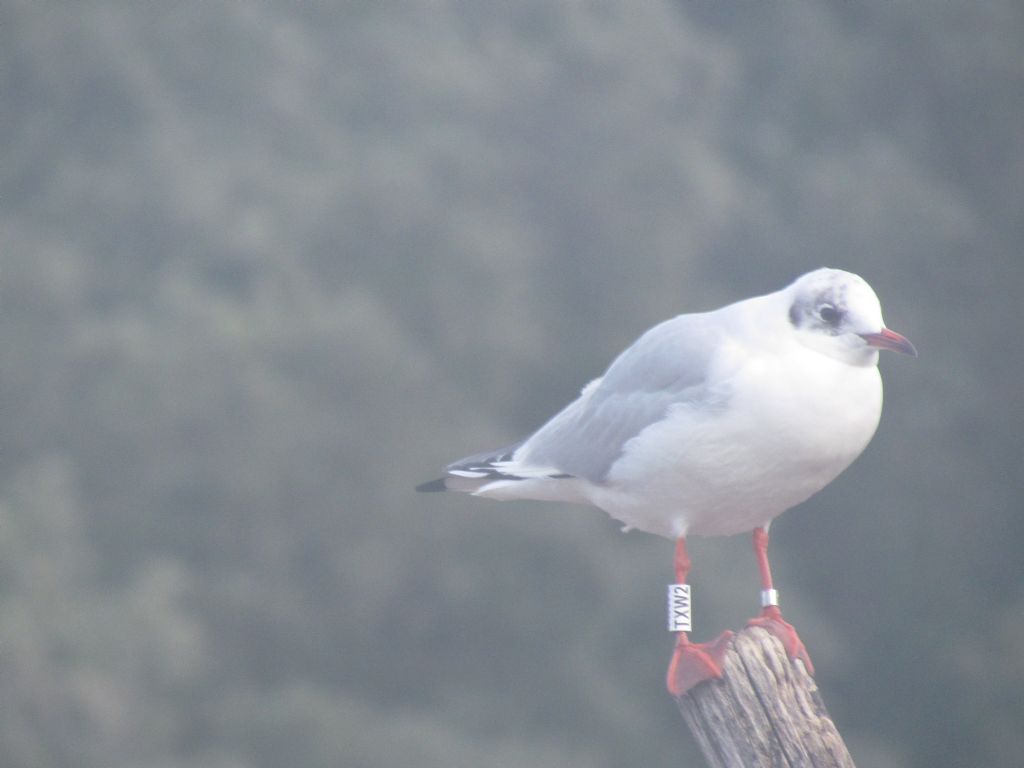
666	366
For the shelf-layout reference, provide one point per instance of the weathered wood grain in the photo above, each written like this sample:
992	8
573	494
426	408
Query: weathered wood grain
764	712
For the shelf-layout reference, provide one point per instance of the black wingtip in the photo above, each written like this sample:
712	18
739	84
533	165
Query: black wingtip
434	486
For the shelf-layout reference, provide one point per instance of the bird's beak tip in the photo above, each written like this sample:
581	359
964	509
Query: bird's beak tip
886	339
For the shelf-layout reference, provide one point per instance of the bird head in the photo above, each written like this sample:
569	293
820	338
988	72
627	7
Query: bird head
837	314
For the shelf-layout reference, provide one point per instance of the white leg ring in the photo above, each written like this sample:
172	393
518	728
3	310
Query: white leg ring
680	609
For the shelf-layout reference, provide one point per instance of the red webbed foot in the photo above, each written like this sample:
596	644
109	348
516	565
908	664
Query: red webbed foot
772	621
693	663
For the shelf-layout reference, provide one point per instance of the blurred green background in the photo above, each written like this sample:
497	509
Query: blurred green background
264	266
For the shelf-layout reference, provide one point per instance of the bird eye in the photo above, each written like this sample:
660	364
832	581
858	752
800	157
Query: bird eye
830	314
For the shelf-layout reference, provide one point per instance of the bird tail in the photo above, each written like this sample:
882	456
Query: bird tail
474	472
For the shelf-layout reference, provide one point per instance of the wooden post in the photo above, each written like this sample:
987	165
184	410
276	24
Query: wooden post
764	712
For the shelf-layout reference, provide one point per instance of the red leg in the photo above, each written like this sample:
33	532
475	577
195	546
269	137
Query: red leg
771	617
693	663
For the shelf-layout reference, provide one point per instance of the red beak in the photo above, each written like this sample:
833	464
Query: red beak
891	340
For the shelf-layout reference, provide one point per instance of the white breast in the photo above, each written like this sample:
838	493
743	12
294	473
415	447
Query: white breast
789	425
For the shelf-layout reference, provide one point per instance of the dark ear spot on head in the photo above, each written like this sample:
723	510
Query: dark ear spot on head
794	315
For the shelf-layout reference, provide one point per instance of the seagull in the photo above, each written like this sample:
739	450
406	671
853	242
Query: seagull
712	424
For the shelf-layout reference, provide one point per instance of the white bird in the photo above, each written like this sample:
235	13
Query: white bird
712	424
